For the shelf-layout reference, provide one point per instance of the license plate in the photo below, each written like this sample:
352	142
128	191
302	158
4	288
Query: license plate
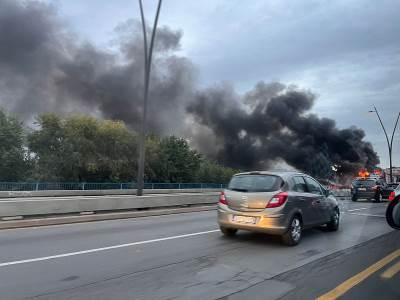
243	219
362	189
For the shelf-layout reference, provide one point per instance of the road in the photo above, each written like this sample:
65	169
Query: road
184	256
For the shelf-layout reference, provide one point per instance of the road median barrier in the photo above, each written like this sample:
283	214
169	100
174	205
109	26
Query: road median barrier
64	193
89	205
103	216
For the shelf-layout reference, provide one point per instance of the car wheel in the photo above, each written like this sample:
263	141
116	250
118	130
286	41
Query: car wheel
293	235
353	198
333	225
228	231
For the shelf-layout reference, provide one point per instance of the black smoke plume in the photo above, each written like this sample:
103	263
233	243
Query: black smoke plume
46	68
273	122
43	67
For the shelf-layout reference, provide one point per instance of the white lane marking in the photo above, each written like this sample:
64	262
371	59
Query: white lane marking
358	209
17	262
366	215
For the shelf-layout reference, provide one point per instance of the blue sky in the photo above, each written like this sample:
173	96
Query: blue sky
347	52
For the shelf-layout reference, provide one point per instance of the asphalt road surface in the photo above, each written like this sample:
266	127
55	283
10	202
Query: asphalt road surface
185	257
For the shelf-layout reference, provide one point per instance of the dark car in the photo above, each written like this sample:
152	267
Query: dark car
387	189
366	189
280	203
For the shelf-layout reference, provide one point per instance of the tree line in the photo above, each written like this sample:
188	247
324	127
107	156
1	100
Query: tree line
86	149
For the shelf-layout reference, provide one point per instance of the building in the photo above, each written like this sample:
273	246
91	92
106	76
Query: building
396	174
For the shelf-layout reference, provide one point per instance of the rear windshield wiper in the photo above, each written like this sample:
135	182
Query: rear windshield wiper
238	190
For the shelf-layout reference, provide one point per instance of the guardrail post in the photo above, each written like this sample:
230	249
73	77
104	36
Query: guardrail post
121	186
37	186
179	186
83	186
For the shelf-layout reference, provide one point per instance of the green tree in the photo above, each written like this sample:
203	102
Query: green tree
82	148
47	145
14	159
212	172
116	151
171	160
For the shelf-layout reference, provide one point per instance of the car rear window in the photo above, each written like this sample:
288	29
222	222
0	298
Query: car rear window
365	183
255	183
393	185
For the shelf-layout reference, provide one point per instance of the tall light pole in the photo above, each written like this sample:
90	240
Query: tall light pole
148	53
389	144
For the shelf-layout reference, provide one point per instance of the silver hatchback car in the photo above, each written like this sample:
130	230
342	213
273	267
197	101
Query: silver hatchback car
280	203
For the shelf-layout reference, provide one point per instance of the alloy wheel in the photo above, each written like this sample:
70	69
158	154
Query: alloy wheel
296	229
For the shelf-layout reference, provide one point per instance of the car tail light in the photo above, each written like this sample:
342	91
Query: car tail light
278	200
376	187
392	195
222	199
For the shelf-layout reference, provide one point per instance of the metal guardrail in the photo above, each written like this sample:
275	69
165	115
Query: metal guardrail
47	186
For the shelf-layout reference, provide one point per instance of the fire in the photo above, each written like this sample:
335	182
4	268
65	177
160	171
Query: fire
378	172
363	174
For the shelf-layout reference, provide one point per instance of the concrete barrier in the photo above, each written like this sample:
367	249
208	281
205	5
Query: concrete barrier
63	193
67	205
83	201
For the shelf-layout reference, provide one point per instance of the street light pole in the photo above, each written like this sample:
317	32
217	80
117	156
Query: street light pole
148	53
389	144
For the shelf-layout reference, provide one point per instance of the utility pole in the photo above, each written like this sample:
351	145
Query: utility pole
389	143
148	53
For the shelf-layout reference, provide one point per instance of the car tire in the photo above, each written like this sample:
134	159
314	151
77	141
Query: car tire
293	236
228	231
353	198
333	225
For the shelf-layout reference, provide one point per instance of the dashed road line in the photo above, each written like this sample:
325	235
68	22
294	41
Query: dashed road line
358	278
356	209
392	271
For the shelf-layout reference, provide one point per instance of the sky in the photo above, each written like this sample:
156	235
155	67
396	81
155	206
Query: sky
346	52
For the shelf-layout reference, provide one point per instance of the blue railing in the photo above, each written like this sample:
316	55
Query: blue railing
43	186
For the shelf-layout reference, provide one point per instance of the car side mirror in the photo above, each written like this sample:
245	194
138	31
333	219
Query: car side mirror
393	213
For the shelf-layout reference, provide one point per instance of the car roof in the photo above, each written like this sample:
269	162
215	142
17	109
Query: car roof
280	173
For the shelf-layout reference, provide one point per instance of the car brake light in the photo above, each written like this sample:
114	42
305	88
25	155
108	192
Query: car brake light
277	200
222	199
392	195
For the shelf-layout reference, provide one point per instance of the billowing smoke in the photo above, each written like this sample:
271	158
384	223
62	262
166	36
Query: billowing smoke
43	67
46	68
273	122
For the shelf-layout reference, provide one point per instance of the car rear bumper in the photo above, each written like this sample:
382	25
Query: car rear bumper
364	194
277	224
